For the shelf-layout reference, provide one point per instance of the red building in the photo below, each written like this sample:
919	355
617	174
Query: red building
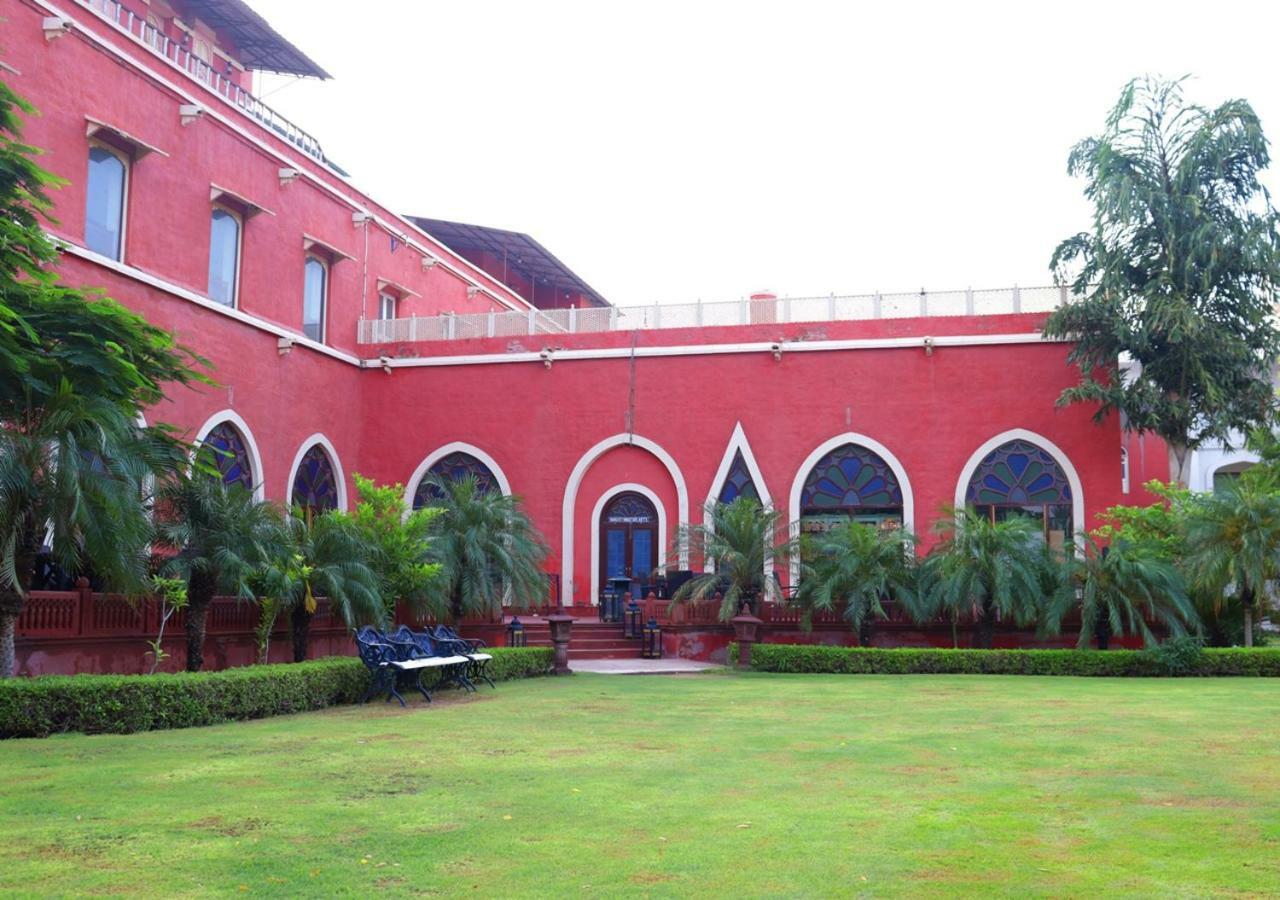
347	338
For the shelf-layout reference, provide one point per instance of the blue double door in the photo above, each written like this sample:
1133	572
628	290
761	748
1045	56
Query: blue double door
629	535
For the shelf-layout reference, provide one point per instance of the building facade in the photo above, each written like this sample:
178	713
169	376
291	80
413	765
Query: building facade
346	338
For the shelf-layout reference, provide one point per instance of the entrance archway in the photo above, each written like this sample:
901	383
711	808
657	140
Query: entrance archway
630	536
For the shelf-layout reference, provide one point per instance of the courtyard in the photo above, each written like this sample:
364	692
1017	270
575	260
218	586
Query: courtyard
713	784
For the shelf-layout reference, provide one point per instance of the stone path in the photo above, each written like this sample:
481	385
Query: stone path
640	666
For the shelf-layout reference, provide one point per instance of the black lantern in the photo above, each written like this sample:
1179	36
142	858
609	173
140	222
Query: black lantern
651	641
608	606
515	633
631	625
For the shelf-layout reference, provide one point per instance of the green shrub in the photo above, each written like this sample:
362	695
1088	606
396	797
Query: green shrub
1177	656
914	661
122	704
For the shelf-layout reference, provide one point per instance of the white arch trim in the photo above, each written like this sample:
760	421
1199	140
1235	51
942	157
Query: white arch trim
440	453
737	441
575	481
339	476
1014	434
849	437
255	458
598	511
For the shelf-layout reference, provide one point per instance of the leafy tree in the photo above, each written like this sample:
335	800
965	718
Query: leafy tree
402	544
859	566
75	369
1116	588
1160	528
487	548
985	569
742	538
220	537
322	556
1233	540
1179	272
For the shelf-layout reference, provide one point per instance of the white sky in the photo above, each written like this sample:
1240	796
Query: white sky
669	151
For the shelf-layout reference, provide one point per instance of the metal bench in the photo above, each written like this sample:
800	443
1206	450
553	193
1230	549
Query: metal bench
474	650
445	641
393	664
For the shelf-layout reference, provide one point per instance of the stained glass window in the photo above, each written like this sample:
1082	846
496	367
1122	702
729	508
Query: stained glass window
230	455
315	487
456	466
1021	479
738	483
630	509
850	479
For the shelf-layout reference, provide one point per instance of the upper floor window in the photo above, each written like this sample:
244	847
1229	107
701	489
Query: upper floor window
105	191
224	256
315	289
386	306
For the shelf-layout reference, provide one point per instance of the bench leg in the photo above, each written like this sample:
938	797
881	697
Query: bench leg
480	668
377	684
417	682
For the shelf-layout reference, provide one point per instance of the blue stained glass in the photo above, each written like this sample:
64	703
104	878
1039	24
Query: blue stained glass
738	482
315	488
229	455
455	466
848	479
1017	474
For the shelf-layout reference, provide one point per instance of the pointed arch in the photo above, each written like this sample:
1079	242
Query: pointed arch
738	443
1021	434
575	481
411	488
230	416
339	477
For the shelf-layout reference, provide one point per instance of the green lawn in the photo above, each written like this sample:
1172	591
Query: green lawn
709	785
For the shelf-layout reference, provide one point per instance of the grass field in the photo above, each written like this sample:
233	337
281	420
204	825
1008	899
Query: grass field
710	785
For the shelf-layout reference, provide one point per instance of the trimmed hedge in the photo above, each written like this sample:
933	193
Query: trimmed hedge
122	704
1157	662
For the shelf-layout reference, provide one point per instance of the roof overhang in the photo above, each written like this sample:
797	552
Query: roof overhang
119	138
259	45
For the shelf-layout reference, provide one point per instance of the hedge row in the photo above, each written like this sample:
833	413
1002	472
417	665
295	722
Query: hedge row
122	704
1161	661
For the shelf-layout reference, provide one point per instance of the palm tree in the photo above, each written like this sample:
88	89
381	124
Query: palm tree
1233	539
860	566
321	556
75	470
487	548
220	536
1116	589
989	569
742	538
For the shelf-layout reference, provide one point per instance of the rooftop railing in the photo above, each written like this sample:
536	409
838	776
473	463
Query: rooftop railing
181	56
752	311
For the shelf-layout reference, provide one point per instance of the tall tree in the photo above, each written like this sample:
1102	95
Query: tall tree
742	538
75	371
1179	272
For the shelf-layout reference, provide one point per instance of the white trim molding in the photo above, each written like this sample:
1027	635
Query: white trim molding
339	476
598	511
440	453
579	472
1014	434
849	437
255	458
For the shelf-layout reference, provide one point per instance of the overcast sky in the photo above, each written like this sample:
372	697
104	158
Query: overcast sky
675	151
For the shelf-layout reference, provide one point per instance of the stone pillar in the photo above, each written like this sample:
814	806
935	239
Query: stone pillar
746	631
561	626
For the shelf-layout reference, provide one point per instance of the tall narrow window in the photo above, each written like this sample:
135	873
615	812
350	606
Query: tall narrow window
224	256
386	307
315	288
104	202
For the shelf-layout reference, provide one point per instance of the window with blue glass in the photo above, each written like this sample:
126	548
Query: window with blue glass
104	204
851	481
629	538
455	466
226	451
315	486
738	482
1020	479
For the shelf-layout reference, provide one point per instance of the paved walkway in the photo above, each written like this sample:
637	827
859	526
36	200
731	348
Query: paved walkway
640	666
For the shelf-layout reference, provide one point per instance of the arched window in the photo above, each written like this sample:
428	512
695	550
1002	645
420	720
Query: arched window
1020	479
738	481
224	256
229	454
1224	475
850	482
455	466
104	202
315	486
315	292
629	538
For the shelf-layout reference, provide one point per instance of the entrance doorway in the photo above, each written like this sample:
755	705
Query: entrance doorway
629	536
